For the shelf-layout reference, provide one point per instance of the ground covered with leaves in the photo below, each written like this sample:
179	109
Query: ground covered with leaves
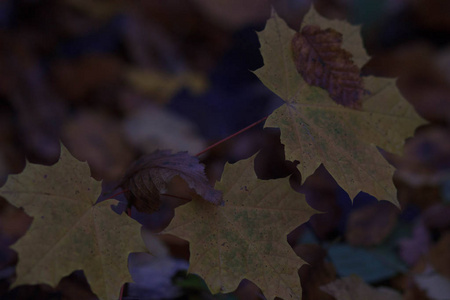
100	99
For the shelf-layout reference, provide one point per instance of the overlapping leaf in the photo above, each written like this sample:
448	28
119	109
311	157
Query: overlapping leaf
245	238
322	62
315	129
150	175
69	231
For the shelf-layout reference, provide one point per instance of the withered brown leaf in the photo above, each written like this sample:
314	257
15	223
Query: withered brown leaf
321	60
147	179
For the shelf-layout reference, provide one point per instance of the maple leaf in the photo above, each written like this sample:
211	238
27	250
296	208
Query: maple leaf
69	231
315	129
245	238
149	176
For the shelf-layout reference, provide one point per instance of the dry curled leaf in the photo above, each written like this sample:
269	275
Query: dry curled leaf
321	60
147	179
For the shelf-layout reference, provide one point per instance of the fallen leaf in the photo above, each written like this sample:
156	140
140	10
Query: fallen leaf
315	130
69	231
354	288
148	178
322	62
247	237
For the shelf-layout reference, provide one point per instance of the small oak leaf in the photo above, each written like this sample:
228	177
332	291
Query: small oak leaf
148	178
245	238
319	57
69	231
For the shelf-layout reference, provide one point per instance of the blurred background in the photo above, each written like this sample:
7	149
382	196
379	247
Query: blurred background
113	80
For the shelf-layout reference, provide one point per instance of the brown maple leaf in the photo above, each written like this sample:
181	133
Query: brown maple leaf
148	177
321	60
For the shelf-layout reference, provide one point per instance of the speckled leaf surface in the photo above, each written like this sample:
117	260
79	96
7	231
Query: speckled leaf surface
69	231
316	130
245	238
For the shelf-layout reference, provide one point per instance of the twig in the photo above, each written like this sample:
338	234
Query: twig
231	136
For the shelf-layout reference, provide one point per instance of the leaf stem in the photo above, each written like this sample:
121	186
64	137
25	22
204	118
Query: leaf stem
173	196
126	190
121	292
118	193
198	154
231	136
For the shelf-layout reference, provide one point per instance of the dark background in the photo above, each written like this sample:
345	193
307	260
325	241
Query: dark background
114	80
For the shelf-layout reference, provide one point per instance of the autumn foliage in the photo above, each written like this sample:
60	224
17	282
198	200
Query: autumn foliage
334	122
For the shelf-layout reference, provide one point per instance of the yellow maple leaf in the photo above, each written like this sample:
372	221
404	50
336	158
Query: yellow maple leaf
69	231
316	130
245	238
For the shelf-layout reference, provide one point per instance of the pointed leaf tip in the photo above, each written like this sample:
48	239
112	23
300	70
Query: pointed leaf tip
69	232
245	238
314	128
